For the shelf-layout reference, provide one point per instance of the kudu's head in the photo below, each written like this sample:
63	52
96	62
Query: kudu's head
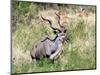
60	32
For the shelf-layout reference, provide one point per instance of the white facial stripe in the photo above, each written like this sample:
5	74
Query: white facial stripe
63	36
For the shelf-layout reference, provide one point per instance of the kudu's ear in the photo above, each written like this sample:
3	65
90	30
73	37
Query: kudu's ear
55	32
65	31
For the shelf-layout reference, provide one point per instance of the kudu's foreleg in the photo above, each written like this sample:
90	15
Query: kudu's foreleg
52	56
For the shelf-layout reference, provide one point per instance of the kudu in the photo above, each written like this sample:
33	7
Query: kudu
47	47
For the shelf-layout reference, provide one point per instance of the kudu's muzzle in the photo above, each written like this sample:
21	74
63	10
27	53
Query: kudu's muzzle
66	39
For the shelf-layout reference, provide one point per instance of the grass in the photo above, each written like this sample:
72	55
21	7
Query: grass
79	52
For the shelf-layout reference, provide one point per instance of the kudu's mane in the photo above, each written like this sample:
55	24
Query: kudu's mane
53	40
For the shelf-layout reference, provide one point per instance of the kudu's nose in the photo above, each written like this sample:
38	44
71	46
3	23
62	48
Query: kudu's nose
66	39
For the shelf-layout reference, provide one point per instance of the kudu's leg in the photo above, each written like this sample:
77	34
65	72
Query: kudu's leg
55	54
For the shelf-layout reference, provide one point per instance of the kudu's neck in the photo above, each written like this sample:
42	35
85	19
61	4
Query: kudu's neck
56	40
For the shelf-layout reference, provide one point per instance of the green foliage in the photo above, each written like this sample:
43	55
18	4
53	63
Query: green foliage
23	7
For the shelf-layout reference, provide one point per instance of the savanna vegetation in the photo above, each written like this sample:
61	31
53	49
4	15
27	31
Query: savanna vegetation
28	28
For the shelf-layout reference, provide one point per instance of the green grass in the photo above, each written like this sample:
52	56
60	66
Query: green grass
79	52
